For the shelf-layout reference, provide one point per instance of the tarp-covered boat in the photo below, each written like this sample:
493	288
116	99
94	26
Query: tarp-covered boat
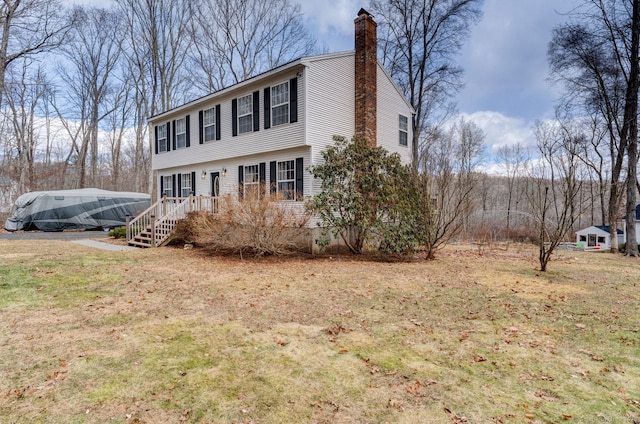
87	208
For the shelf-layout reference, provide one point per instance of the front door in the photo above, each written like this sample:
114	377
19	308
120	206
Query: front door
215	184
215	190
592	240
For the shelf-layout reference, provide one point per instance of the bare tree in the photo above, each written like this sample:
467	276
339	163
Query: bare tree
157	45
24	95
512	160
237	39
29	27
117	124
631	116
93	54
419	41
595	56
447	183
553	188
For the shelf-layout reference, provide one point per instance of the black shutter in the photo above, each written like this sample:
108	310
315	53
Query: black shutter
293	100
240	182
201	127
187	141
168	136
193	182
218	122
267	108
262	171
256	111
179	185
299	179
234	117
273	181
173	185
161	186
173	136
156	139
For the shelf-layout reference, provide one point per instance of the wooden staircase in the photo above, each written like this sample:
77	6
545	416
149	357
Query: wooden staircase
154	227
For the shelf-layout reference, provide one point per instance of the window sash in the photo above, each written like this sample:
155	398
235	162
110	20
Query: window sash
209	124
245	114
403	125
186	185
181	133
286	179
162	138
280	104
251	183
167	185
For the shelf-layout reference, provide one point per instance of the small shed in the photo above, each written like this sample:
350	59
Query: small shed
596	237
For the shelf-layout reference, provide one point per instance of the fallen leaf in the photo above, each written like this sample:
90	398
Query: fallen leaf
529	416
396	404
566	417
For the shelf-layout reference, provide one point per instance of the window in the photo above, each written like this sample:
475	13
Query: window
583	238
280	104
251	182
286	179
162	138
185	190
181	133
167	186
245	114
403	124
601	239
209	124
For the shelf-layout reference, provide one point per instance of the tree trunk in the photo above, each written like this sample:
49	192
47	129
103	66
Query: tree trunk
631	116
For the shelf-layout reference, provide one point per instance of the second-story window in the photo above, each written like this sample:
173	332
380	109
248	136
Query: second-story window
245	114
209	124
181	133
162	138
403	125
280	104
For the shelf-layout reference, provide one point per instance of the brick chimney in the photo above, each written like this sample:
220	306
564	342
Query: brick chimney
366	61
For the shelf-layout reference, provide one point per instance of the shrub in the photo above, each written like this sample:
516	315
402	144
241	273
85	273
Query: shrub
120	232
364	197
260	225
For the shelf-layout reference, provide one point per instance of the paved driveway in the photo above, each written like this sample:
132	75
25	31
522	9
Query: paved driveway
59	235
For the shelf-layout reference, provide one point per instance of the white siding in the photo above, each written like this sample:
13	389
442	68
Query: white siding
331	103
229	181
261	141
390	105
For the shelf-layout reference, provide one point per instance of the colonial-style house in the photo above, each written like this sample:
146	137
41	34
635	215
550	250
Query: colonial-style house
267	130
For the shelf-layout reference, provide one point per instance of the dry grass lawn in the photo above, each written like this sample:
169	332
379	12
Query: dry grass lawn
170	335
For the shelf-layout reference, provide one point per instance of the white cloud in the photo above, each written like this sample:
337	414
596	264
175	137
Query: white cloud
502	130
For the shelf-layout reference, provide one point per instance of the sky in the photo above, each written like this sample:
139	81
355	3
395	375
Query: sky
504	59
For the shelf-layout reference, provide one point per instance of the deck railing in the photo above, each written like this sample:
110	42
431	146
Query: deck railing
161	218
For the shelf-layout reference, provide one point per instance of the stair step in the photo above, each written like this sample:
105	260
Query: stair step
138	244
